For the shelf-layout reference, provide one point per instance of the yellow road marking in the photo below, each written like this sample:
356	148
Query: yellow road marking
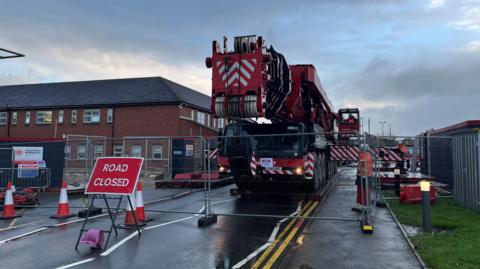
279	237
284	244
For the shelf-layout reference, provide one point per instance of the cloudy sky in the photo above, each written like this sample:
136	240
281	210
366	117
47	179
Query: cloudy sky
414	64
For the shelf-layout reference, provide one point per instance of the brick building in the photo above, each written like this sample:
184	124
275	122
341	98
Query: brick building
129	110
152	106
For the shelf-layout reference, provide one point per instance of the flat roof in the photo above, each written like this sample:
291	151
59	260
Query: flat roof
465	125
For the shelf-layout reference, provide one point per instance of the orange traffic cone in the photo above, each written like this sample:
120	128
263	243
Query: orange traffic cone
8	206
129	218
140	210
63	209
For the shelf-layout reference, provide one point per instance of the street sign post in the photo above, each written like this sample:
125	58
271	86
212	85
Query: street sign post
112	176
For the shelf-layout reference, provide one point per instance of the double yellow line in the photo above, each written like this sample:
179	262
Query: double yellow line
306	211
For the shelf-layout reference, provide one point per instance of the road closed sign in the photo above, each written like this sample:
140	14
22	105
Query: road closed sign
112	175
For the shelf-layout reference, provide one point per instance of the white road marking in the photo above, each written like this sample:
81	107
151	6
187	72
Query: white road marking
130	236
82	219
22	235
167	223
269	242
75	263
17	226
117	245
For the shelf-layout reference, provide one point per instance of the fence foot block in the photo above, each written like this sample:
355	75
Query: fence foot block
207	220
95	211
367	228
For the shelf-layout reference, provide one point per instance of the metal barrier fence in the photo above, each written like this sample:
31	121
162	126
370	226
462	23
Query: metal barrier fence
275	175
36	178
165	158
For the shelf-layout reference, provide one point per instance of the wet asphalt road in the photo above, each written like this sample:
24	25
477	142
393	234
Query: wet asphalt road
169	241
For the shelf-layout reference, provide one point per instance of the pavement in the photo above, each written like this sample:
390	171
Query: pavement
341	243
250	232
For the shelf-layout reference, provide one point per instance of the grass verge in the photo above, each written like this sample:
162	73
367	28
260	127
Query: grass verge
458	247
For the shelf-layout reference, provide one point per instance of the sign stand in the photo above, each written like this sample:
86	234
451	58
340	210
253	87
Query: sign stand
113	176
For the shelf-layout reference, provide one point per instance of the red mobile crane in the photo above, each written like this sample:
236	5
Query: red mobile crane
254	81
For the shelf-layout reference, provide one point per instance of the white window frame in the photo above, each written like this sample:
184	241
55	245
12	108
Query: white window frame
42	115
115	150
27	118
136	154
208	120
220	123
110	115
91	116
84	151
74	116
98	153
68	152
14	118
60	116
193	115
157	149
3	118
201	117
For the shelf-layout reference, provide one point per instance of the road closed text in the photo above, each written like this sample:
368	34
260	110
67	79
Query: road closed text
114	175
111	182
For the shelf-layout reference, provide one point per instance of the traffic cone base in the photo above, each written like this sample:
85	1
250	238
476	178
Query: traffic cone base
9	213
129	222
63	209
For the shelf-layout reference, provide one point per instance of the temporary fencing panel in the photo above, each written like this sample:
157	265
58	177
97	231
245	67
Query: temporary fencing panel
38	173
466	169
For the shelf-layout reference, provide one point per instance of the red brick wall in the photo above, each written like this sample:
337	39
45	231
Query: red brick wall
159	120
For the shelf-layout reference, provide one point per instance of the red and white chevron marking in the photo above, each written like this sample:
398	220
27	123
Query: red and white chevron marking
238	72
389	155
344	153
213	154
253	165
268	171
309	165
351	153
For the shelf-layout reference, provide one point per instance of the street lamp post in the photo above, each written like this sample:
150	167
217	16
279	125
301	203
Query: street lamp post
382	123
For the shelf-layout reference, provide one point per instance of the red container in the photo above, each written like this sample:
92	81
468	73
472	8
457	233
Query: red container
411	194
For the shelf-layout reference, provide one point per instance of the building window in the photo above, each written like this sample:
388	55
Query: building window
118	151
208	120
98	151
27	117
81	152
60	116
193	115
110	115
74	116
220	123
68	151
136	151
44	117
3	118
14	118
214	123
201	117
91	116
157	152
